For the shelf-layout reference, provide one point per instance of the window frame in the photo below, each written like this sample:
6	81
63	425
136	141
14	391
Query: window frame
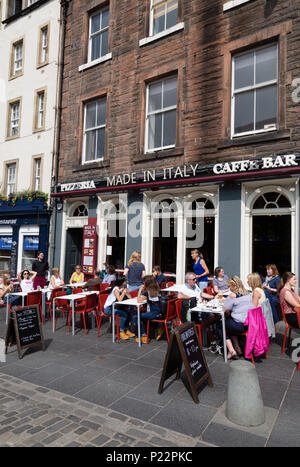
10	104
42	28
84	132
9	164
100	32
13	73
254	88
38	157
148	150
151	26
38	93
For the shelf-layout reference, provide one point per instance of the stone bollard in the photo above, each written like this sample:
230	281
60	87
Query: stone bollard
2	351
244	400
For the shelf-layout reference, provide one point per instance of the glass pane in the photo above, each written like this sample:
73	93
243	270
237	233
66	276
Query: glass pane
169	128
170	92
100	143
155	97
244	71
266	64
266	107
271	196
155	132
105	18
95	47
259	203
101	112
90	146
172	13
90	121
104	43
95	23
244	112
283	202
159	18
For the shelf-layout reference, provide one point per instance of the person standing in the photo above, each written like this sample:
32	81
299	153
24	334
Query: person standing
270	286
200	269
135	271
41	267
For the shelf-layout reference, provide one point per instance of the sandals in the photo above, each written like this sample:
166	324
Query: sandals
232	355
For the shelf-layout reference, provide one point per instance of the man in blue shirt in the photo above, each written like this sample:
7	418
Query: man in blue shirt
159	276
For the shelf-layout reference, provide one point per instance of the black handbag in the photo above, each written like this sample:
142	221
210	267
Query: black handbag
163	304
187	303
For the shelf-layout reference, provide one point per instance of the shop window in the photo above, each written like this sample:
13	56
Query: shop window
98	34
272	200
5	252
30	248
164	15
161	114
80	211
255	91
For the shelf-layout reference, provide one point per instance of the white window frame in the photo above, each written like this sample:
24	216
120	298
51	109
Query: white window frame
11	182
252	88
162	111
34	231
100	11
14	123
37	173
152	16
18	57
40	118
44	45
91	129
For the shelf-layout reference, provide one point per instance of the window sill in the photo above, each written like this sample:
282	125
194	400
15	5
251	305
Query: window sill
160	35
91	166
255	139
163	154
16	75
88	65
233	4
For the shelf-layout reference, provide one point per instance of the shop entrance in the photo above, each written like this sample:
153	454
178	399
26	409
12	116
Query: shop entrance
115	251
73	251
165	247
271	243
208	247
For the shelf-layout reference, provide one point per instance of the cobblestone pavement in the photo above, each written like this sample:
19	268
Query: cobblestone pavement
88	391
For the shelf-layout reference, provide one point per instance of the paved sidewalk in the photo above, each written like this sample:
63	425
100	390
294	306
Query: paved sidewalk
87	391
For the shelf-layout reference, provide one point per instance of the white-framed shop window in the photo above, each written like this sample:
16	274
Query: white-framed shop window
255	91
5	248
28	246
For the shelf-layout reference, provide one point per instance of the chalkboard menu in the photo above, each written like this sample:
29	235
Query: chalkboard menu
24	329
184	347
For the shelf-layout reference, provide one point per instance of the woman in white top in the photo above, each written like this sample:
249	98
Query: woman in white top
56	281
25	279
119	292
258	294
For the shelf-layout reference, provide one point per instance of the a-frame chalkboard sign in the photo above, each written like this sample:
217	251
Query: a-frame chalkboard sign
24	329
184	347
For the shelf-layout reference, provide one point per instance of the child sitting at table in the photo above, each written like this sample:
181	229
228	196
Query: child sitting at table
150	292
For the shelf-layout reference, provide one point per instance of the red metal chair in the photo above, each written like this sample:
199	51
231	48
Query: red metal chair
134	293
104	286
61	305
289	327
76	290
209	290
169	284
101	302
90	304
178	306
163	285
171	316
52	296
35	298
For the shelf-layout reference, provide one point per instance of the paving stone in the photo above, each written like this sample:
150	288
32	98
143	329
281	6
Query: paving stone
124	439
100	440
91	425
51	438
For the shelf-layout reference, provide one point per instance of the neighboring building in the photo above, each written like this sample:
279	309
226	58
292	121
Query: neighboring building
190	101
29	46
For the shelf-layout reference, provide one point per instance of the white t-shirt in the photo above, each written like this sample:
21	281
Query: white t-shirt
189	292
26	285
57	282
111	298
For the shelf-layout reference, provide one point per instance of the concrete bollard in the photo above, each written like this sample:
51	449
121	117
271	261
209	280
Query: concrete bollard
244	400
2	351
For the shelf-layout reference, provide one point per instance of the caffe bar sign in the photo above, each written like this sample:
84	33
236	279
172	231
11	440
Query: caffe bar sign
189	171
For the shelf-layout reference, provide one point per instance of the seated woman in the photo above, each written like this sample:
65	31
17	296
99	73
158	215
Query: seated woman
26	279
77	275
258	294
150	292
56	281
270	286
7	287
220	281
236	308
118	293
288	298
110	276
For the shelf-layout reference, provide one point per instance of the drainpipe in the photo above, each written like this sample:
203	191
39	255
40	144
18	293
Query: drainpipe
64	4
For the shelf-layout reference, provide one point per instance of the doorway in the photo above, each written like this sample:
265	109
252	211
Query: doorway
271	243
73	251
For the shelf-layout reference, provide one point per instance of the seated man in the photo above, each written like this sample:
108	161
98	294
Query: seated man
96	280
159	276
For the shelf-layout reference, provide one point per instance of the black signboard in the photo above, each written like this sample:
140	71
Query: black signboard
184	347
24	329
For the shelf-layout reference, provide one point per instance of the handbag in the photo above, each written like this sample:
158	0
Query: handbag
187	303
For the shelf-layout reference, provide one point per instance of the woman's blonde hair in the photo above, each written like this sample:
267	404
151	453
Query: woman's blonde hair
238	285
55	270
135	258
5	278
254	280
198	252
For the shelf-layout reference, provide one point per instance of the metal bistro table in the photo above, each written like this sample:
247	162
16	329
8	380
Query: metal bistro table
71	298
131	302
202	307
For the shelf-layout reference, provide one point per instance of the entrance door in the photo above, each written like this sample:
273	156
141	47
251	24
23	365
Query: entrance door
165	247
207	248
73	251
271	243
116	240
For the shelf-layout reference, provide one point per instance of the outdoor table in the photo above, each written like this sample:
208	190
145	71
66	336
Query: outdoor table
218	309
17	294
44	292
130	302
77	284
71	298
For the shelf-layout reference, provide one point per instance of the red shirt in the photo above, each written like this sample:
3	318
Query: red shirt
287	308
